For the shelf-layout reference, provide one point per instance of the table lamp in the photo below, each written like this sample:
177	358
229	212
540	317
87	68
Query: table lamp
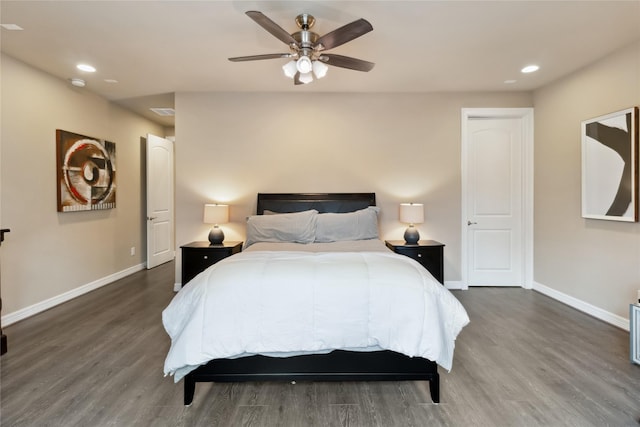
411	213
216	214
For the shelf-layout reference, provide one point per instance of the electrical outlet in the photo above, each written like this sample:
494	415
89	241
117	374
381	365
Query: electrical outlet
133	250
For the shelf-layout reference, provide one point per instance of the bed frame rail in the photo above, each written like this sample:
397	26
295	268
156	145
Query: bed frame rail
338	365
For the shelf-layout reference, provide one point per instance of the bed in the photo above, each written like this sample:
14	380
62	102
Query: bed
216	338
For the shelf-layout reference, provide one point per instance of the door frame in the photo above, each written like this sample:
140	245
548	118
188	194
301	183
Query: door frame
526	115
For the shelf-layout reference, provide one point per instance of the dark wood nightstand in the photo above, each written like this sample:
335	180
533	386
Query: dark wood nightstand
429	253
197	256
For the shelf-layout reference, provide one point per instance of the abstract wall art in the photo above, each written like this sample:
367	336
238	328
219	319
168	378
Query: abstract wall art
86	172
610	166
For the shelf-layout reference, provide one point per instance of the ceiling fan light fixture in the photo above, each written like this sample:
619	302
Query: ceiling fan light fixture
304	65
306	78
290	69
320	69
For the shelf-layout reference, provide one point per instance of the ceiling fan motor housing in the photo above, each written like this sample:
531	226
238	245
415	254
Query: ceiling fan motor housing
306	39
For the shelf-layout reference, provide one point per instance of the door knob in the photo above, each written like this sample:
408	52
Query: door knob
151	218
471	223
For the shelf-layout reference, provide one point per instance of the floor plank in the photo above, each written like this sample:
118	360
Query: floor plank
524	360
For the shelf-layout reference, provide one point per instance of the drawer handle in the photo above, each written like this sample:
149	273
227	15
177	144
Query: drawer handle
419	255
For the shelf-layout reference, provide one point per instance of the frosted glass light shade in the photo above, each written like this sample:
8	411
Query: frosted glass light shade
306	78
290	69
304	64
412	213
216	214
319	69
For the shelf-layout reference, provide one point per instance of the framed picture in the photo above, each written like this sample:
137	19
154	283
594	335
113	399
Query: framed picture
86	172
610	166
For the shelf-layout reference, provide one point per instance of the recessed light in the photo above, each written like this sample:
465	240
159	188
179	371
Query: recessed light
86	67
530	69
78	82
12	27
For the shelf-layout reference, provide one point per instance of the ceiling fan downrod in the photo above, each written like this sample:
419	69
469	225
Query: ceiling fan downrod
304	21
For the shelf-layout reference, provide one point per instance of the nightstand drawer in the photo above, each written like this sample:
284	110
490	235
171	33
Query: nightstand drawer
195	262
422	255
429	253
198	256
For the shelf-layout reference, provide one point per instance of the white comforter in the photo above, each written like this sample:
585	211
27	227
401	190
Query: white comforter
280	303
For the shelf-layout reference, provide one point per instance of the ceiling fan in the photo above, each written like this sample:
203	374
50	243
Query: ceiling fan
307	49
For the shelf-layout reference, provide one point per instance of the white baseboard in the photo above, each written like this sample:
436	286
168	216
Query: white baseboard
34	309
585	307
450	284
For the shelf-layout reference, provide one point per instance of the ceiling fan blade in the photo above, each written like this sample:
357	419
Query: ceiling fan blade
345	34
258	57
346	62
273	28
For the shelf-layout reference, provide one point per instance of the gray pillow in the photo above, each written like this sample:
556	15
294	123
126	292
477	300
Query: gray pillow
358	225
298	227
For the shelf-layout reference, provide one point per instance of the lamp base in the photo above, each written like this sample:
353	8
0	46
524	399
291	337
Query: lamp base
216	236
411	235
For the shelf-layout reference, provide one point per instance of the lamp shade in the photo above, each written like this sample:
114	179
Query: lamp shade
320	69
304	64
305	78
290	69
412	213
216	214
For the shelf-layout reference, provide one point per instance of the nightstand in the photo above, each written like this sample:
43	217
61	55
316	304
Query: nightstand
429	253
197	256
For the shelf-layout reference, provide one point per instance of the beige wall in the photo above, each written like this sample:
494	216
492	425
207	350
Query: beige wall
594	261
49	253
403	147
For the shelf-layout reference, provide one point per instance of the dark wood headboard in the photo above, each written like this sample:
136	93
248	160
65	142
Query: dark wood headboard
322	202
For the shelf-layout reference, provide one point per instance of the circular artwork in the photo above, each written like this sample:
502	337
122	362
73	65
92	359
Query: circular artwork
88	172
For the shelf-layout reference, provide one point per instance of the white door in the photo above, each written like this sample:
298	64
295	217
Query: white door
160	215
494	214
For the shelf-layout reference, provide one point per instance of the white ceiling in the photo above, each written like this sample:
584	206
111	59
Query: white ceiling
156	48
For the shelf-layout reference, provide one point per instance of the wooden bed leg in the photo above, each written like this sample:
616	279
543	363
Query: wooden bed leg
434	388
189	389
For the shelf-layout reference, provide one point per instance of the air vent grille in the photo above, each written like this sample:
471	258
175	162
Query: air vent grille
164	111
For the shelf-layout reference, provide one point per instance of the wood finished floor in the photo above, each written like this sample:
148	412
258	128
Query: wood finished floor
524	360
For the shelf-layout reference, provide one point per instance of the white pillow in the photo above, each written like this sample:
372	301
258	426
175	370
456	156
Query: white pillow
298	227
358	225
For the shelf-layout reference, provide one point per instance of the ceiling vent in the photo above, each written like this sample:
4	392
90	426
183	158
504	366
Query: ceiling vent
164	111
